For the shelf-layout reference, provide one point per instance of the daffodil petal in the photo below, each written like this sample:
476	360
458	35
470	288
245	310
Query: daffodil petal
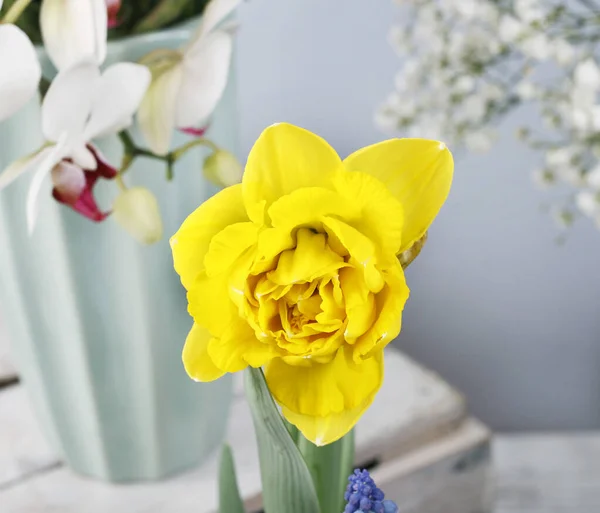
283	159
360	303
238	347
196	360
191	242
311	258
307	206
210	304
361	249
389	304
322	389
381	216
326	430
227	245
418	172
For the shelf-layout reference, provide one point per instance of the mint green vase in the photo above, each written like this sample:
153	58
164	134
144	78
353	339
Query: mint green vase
97	321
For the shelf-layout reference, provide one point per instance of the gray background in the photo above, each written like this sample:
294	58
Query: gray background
497	307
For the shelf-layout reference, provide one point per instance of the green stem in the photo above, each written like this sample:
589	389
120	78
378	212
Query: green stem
120	182
329	466
170	169
131	151
179	152
15	11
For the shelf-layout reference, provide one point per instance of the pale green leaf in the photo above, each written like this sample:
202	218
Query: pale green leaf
229	494
287	483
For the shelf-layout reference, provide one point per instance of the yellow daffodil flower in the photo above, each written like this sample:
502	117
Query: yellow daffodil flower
296	269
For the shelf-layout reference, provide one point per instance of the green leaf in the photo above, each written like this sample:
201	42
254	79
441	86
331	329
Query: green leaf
229	493
165	12
330	467
287	483
292	430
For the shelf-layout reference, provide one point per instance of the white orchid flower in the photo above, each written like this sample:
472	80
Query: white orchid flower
20	70
80	105
74	30
186	89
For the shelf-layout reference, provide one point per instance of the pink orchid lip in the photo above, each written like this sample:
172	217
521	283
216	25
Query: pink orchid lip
85	203
194	132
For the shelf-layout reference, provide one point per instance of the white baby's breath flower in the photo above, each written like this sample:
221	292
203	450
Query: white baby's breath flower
464	84
563	52
479	141
588	203
527	90
559	157
536	46
529	10
510	29
592	178
587	75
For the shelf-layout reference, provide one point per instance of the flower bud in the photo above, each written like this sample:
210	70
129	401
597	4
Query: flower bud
406	258
137	211
223	168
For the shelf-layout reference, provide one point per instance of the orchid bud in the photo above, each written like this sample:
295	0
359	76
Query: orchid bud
223	168
137	211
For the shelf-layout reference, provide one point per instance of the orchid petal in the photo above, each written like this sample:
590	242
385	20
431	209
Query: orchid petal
68	102
83	157
21	70
74	30
214	13
20	167
204	79
119	94
69	181
156	115
51	156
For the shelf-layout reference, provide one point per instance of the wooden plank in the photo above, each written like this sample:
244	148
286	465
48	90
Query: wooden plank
548	473
451	474
414	405
8	372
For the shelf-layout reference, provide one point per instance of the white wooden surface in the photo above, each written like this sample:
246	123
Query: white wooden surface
548	473
413	407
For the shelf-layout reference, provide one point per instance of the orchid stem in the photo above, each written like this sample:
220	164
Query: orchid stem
192	144
131	151
15	11
121	182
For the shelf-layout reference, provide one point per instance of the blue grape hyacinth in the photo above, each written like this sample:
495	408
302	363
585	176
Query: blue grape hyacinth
363	496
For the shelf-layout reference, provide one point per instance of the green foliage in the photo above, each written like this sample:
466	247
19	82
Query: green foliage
135	16
330	467
286	480
230	500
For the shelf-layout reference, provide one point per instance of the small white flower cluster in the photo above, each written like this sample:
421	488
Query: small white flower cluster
466	63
